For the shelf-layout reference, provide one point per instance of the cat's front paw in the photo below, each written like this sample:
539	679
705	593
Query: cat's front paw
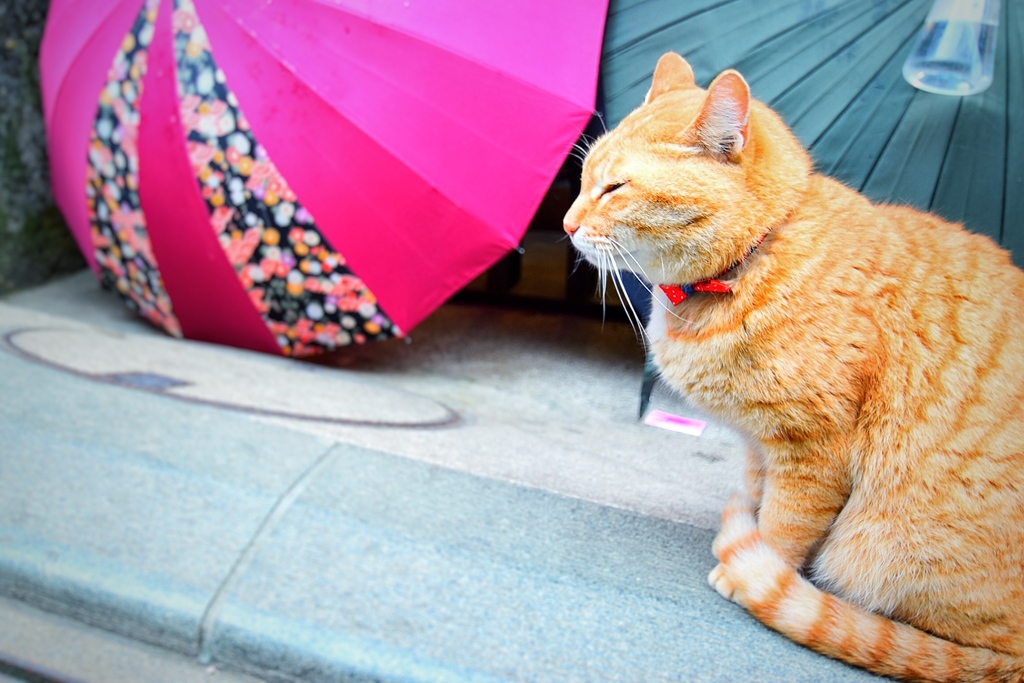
739	531
718	580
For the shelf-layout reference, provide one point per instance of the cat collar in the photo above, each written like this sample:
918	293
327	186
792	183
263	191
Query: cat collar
677	294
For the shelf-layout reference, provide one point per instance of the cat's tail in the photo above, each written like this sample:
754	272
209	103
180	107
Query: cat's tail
753	575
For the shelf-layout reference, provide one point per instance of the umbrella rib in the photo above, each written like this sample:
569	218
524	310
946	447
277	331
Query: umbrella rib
287	65
869	84
945	154
280	59
644	78
455	51
824	62
828	17
64	76
767	39
1007	180
386	149
662	27
888	141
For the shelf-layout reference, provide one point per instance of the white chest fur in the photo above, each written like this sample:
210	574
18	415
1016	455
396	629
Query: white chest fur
657	328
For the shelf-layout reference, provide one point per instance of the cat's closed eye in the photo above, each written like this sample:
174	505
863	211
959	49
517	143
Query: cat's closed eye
612	187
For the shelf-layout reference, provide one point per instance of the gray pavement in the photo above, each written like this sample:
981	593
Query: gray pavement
478	504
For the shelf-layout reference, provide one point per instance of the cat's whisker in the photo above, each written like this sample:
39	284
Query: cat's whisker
634	318
608	269
581	149
606	266
610	266
606	250
580	259
602	282
629	258
645	279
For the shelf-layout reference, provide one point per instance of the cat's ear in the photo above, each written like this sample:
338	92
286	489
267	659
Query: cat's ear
722	128
671	73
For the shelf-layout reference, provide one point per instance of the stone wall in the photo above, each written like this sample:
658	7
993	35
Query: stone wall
35	244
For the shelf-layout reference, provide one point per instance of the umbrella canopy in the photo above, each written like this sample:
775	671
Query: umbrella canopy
296	175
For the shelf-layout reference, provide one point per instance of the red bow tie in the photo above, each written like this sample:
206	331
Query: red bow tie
677	294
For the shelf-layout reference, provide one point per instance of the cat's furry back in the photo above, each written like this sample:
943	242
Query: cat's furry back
872	356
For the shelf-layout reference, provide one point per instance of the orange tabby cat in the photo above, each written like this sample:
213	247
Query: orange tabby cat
872	357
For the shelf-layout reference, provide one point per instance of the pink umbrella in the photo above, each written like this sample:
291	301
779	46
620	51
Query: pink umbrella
295	175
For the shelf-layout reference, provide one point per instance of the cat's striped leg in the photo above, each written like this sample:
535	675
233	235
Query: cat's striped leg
755	476
739	518
804	491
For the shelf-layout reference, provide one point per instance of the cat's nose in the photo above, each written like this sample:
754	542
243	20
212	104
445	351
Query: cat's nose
570	227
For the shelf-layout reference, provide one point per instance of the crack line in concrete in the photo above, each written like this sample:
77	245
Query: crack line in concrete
252	549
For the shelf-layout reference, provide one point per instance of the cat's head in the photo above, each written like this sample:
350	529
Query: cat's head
688	182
